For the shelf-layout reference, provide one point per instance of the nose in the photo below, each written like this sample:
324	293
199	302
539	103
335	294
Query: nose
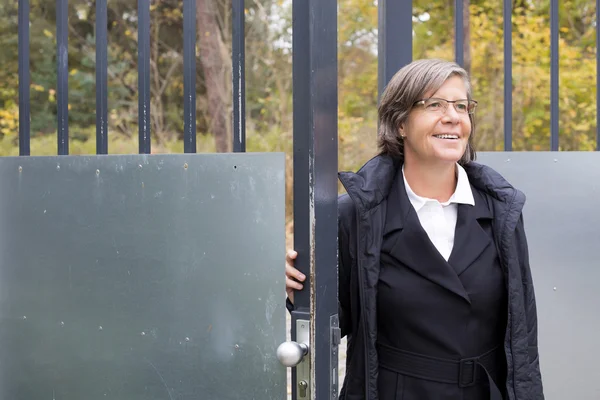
451	115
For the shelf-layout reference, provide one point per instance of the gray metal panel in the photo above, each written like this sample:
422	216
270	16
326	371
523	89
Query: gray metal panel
136	277
562	221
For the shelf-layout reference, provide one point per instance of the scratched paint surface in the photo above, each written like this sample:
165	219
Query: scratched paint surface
142	277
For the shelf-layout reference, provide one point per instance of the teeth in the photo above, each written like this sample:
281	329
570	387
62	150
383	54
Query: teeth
447	136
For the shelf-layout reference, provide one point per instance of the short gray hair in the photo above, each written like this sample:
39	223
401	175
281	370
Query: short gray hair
408	86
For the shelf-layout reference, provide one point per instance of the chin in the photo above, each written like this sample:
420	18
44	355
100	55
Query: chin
448	157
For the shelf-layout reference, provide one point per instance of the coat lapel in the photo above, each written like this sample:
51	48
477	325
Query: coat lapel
470	240
409	244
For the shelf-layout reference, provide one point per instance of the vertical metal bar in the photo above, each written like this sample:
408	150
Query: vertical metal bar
459	51
101	78
554	127
24	98
315	181
508	75
62	78
395	38
597	75
239	78
189	76
144	75
302	150
301	142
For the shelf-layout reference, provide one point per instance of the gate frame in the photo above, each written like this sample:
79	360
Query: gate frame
315	125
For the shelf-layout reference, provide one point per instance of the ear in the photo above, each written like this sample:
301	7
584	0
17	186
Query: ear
401	131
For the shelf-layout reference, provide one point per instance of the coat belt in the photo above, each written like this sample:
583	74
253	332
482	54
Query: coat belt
465	372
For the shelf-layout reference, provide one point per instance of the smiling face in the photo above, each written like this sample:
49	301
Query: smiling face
432	136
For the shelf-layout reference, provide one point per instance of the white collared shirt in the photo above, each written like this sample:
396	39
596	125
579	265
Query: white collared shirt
439	219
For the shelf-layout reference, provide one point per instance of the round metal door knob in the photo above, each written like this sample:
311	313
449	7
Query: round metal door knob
291	354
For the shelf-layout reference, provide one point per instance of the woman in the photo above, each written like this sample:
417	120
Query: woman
435	290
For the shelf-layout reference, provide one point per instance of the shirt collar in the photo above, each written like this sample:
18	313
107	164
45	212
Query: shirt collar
462	194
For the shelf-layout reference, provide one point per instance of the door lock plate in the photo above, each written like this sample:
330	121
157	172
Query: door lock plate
303	369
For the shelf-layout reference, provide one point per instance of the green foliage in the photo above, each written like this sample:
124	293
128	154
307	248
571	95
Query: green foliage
531	73
269	74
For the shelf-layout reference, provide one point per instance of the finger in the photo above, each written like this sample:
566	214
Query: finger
292	284
291	255
294	273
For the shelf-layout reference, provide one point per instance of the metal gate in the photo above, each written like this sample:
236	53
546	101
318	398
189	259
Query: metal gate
142	277
561	221
161	276
148	276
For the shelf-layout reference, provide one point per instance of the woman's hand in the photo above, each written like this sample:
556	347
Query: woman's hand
293	277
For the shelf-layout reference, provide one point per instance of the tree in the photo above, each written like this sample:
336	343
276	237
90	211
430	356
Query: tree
269	74
215	67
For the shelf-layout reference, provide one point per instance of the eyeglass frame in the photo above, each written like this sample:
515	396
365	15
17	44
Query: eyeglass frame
448	102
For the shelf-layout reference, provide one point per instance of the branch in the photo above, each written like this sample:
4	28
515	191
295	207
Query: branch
167	78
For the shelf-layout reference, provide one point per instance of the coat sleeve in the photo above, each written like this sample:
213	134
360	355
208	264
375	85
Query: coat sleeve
345	218
289	305
531	311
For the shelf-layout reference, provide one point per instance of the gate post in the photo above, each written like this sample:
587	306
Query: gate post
315	189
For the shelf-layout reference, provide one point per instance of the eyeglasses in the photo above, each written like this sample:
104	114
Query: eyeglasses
441	105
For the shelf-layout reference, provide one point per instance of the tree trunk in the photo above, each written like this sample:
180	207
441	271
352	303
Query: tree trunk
211	60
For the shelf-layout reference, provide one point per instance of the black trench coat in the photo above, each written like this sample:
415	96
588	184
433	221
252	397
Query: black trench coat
432	312
362	216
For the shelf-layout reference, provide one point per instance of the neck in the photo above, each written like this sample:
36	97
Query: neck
434	181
